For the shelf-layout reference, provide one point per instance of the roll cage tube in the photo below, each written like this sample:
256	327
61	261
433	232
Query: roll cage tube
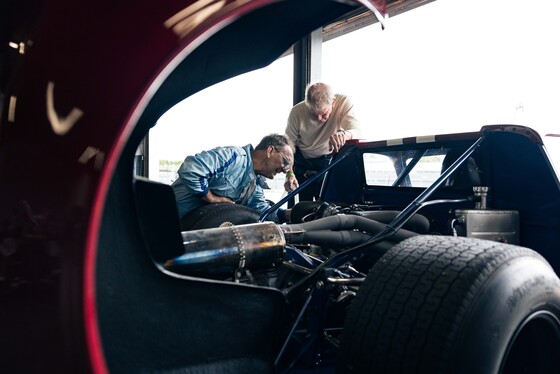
421	201
409	167
341	157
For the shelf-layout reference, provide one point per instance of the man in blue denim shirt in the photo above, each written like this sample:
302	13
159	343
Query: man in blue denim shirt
233	175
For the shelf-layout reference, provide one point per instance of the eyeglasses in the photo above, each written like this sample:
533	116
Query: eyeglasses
287	165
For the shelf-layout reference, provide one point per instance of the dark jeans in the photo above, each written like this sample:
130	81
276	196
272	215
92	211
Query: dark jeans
305	168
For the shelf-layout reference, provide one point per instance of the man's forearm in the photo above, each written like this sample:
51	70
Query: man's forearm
212	198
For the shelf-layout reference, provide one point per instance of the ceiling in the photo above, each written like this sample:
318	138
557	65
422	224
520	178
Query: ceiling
361	18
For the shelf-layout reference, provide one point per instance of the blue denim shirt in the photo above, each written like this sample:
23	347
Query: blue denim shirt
226	171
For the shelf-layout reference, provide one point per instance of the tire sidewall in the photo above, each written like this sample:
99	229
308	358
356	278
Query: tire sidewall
524	286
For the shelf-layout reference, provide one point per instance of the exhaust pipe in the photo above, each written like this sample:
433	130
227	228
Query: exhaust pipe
224	251
227	250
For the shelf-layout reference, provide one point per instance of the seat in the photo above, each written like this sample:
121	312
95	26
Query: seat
468	173
158	218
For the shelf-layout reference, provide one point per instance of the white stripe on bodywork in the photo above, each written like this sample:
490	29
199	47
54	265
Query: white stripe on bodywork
392	142
426	139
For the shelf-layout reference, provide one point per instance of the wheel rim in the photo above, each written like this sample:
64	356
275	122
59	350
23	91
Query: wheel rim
535	345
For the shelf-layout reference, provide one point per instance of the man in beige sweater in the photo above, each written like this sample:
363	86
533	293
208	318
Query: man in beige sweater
318	126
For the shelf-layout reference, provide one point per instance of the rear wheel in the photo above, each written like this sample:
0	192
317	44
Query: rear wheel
436	304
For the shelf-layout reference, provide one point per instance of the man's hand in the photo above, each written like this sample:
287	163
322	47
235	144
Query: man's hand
291	182
213	199
337	140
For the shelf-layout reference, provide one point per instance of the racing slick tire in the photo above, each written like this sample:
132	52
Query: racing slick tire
438	304
217	215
